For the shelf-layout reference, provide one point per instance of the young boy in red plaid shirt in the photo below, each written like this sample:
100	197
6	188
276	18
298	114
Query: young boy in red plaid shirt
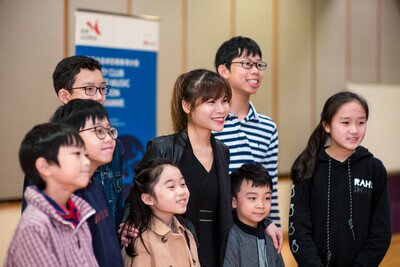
53	230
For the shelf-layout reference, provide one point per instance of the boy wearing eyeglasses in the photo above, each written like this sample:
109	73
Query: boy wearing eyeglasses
91	120
80	77
250	135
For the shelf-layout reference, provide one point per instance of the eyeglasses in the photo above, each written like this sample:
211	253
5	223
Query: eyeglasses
101	132
247	64
91	90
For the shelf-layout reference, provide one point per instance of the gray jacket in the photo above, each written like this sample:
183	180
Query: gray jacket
245	250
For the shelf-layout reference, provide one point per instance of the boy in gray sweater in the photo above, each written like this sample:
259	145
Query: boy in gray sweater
248	245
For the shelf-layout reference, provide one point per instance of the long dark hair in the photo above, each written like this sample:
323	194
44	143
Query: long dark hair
196	87
303	166
140	214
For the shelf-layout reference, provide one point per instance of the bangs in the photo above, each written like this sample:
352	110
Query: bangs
72	138
245	52
75	140
248	47
214	88
77	111
93	117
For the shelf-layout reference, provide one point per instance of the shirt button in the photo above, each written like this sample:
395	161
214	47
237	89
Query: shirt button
164	239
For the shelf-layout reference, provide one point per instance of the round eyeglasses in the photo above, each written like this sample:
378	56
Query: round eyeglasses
101	132
247	64
91	90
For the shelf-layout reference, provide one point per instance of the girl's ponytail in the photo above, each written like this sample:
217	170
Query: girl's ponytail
139	216
303	166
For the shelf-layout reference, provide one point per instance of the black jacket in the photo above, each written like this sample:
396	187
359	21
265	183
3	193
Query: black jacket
344	208
171	147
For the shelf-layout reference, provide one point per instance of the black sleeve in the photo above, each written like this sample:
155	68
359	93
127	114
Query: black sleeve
301	241
379	235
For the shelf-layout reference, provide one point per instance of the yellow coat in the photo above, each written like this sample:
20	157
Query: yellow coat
165	248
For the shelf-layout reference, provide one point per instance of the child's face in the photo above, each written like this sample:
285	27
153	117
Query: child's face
347	128
171	194
209	115
252	204
244	82
73	170
100	151
84	78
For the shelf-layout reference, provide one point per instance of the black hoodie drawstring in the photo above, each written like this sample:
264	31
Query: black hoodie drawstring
328	254
351	200
351	225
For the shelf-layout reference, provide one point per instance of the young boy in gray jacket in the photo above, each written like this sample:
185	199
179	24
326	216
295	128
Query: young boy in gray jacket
248	245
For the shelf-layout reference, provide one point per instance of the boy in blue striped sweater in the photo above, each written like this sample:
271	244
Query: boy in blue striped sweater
250	136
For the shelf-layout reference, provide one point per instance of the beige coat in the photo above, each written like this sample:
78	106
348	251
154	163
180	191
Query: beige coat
165	248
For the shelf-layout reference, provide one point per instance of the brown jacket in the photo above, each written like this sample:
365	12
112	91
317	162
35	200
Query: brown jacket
164	248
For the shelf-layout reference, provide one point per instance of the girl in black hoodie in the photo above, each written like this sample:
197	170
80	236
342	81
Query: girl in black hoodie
339	212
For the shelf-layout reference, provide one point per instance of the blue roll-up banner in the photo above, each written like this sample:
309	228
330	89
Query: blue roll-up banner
126	47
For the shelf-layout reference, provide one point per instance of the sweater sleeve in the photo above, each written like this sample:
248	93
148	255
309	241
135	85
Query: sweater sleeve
232	254
301	241
30	247
379	235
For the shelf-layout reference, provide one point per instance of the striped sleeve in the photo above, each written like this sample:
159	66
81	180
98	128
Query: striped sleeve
255	139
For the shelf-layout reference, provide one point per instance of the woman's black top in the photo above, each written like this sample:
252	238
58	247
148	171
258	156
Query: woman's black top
204	204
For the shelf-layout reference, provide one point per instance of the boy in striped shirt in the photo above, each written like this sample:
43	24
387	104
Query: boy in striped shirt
250	136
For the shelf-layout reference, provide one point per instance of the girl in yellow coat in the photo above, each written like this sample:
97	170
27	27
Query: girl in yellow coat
159	192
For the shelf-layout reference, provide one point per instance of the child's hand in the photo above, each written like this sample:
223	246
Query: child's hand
127	233
276	234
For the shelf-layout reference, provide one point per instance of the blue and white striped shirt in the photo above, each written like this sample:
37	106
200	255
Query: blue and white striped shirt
255	139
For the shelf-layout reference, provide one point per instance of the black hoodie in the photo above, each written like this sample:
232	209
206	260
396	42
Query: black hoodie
344	208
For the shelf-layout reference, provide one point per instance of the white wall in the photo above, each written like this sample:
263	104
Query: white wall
313	47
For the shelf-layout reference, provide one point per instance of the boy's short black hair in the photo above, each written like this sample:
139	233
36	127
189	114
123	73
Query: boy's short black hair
77	111
254	172
233	48
45	140
66	70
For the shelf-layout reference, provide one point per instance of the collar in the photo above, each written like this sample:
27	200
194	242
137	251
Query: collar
37	199
251	115
254	231
161	229
69	213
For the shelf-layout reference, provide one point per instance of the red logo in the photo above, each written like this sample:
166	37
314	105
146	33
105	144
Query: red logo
94	27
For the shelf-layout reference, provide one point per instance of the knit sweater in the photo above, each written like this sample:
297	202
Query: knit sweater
44	238
249	246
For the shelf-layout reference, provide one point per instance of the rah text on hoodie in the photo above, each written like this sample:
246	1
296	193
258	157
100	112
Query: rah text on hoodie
341	216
